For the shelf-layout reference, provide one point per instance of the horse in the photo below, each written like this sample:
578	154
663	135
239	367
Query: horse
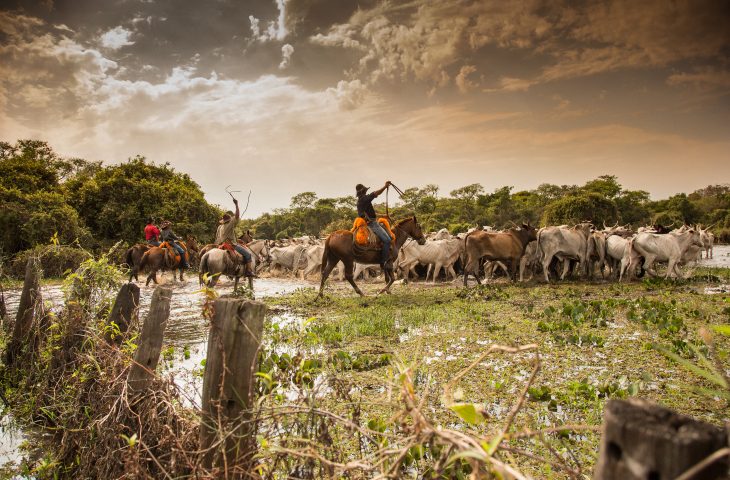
133	257
339	246
161	258
217	262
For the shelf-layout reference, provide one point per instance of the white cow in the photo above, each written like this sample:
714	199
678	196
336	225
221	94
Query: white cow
289	257
620	256
708	239
669	247
437	253
530	259
565	244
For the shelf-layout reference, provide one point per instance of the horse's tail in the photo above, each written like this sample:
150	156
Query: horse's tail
325	254
128	259
203	269
144	260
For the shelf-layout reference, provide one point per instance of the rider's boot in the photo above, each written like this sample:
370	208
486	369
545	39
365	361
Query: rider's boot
249	270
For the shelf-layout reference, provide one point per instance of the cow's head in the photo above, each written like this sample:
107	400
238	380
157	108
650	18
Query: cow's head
531	231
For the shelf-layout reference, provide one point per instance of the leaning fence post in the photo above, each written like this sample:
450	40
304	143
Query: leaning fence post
228	382
150	340
121	314
645	441
26	310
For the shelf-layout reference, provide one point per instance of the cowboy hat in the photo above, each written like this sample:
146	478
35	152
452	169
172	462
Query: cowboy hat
165	224
360	189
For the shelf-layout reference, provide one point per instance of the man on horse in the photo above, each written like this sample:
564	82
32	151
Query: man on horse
169	236
226	233
366	211
152	233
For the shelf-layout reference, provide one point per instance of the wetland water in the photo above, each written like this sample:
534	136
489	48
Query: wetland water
185	341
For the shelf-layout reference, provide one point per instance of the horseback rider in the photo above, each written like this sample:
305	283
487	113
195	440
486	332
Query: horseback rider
152	233
366	211
226	233
169	236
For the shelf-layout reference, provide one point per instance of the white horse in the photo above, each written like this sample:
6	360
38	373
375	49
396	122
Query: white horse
217	262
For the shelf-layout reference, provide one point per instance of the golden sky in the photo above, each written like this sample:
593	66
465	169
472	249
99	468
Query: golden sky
283	96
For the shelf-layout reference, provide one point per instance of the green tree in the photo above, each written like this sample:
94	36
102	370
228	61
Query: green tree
578	208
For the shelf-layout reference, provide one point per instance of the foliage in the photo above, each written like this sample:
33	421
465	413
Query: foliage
56	260
116	201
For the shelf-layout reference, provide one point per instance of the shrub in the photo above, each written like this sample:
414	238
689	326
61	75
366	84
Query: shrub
56	260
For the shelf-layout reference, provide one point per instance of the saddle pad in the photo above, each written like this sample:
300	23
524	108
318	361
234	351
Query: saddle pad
365	237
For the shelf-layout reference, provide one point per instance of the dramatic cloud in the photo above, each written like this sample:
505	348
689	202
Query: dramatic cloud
286	52
116	38
276	29
451	92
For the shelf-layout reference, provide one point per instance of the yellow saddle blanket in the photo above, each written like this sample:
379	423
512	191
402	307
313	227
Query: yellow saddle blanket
364	236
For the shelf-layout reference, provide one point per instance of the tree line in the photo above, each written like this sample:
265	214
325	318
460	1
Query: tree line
47	198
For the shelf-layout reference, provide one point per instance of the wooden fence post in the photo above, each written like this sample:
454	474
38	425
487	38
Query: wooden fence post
124	309
29	299
228	382
644	441
150	340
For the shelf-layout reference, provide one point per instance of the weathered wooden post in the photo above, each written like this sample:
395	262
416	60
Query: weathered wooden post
150	341
228	382
124	309
29	299
644	441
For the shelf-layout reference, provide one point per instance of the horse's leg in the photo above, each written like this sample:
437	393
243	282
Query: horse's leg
151	276
250	284
328	266
349	267
389	278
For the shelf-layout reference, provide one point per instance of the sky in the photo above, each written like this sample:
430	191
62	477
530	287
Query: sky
285	96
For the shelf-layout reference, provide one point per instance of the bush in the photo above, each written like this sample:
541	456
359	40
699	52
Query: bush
56	260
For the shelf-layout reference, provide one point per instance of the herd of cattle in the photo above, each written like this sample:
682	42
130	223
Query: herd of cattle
556	250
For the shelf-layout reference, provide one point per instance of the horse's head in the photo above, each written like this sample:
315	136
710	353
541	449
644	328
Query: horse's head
192	243
413	229
246	237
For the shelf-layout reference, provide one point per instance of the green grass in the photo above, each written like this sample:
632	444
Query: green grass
595	343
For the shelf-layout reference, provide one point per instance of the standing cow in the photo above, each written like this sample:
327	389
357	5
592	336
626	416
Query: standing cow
566	244
670	248
507	246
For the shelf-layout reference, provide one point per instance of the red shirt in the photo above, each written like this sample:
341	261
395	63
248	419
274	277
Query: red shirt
151	232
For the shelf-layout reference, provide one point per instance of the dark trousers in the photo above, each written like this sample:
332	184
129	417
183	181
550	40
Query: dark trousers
243	251
384	237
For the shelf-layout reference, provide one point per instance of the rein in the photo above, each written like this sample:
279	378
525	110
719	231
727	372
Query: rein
398	191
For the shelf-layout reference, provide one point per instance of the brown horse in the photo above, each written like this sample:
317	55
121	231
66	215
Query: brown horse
133	257
160	258
339	247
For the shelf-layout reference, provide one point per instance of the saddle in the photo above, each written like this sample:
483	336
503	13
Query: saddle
363	236
173	257
233	255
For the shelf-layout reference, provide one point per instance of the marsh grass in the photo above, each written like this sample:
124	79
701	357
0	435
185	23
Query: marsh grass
595	341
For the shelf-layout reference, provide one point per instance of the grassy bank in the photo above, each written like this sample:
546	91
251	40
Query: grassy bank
596	341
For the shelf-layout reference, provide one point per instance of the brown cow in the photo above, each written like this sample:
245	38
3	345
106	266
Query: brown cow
500	246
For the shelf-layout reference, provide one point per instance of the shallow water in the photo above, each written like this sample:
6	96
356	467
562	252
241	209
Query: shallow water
720	257
186	333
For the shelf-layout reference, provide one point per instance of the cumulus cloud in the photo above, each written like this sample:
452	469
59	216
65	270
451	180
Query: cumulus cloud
349	94
275	30
286	52
420	39
462	79
116	38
